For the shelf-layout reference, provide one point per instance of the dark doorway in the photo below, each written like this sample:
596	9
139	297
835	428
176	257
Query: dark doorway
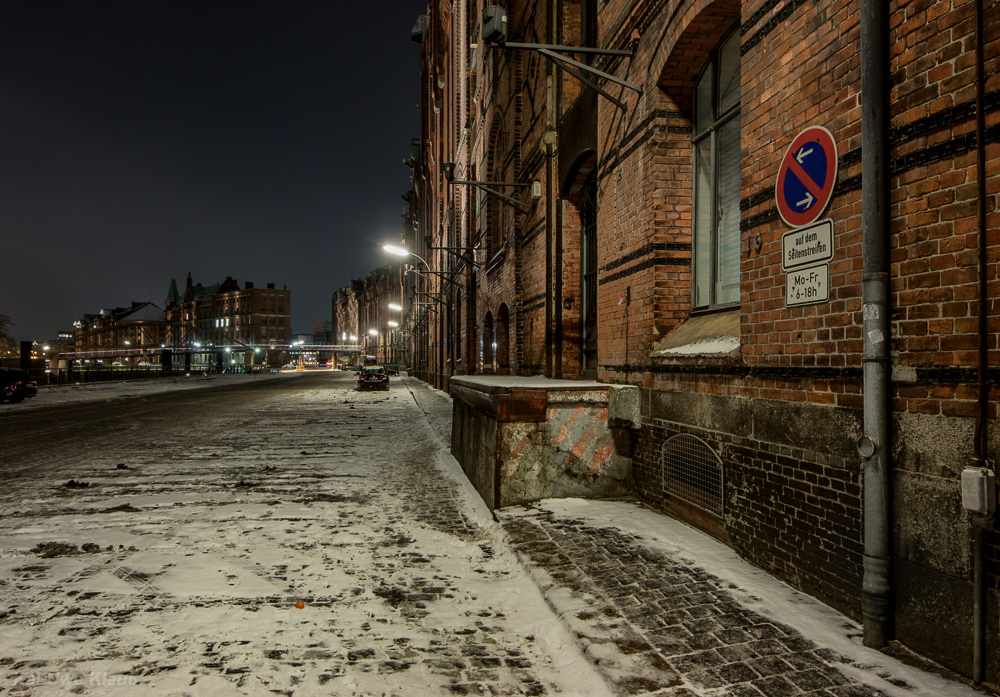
588	225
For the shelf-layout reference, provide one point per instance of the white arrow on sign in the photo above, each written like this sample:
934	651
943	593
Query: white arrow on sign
807	201
802	154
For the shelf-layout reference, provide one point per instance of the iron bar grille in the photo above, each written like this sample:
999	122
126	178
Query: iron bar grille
692	472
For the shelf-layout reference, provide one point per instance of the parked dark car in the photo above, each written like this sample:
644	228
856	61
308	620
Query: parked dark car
15	385
373	376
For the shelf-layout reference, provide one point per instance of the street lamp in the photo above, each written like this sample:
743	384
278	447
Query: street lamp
396	306
400	252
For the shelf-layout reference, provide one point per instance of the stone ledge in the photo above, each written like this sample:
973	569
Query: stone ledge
507	398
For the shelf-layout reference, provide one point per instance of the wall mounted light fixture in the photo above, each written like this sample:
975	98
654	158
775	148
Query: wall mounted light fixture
449	175
495	36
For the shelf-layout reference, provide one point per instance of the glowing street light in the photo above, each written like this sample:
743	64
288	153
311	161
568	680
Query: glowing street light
393	324
396	306
400	252
395	250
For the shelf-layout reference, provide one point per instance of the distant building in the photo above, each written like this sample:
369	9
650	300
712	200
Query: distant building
244	320
226	314
361	315
322	332
141	326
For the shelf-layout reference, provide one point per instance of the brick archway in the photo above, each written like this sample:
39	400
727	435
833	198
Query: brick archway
690	40
503	341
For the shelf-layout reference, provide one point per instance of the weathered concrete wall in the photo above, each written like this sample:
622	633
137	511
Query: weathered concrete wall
524	439
571	453
932	565
475	437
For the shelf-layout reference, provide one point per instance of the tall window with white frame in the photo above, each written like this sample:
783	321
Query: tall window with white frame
715	261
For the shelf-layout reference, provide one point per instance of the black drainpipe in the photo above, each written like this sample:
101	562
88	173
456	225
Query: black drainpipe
980	445
875	446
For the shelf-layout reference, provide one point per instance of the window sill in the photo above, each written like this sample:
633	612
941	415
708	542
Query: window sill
716	335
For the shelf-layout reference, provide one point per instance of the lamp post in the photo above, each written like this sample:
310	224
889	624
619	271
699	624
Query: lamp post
402	252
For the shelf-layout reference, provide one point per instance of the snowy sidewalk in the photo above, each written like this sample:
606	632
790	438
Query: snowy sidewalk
663	609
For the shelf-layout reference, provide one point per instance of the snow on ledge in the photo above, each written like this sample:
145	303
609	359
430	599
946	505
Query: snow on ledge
716	345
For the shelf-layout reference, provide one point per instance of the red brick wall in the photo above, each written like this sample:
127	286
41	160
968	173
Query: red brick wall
800	68
784	411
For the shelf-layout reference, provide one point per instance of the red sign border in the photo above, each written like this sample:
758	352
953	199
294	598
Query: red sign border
829	145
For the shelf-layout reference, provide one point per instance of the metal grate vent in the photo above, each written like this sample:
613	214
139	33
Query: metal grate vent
692	472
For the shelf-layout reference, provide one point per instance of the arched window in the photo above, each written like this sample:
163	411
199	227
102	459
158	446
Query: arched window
715	261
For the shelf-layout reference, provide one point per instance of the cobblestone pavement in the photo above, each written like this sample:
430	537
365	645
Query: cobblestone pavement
635	608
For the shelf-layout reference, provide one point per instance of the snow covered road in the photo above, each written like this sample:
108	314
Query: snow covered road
292	536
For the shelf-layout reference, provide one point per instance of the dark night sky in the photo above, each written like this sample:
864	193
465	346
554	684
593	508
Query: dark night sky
143	139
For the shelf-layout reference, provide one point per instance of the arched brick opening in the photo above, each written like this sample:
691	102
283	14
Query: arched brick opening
503	341
486	344
572	186
695	33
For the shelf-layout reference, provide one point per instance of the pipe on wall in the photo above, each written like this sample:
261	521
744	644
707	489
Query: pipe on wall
980	437
876	601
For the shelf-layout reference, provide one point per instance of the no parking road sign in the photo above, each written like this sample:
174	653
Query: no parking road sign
806	177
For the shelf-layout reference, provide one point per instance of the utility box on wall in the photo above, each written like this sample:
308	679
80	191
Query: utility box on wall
494	25
979	490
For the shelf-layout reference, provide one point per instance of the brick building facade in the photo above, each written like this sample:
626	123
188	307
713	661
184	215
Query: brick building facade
362	316
140	326
658	240
225	314
244	323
